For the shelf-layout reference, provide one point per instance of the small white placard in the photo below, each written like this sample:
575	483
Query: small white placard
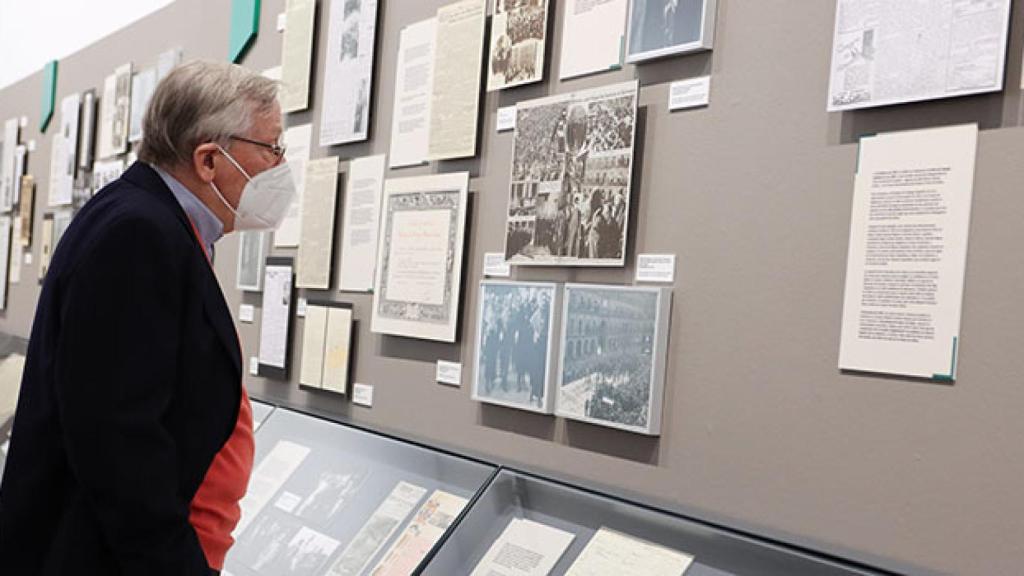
656	268
300	310
246	313
287	502
449	373
689	93
28	258
362	394
31	145
254	365
495	265
506	118
24	121
282	21
4	446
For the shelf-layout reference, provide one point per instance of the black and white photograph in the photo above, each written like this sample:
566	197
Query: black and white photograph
659	28
514	344
122	109
348	72
334	489
613	348
252	246
276	544
518	37
571	173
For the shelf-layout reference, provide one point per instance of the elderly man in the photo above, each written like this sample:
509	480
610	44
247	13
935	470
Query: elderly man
132	440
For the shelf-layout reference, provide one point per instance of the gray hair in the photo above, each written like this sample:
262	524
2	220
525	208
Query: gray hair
200	102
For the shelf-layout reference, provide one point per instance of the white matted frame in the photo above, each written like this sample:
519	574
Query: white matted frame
419	257
659	28
498	346
613	350
252	249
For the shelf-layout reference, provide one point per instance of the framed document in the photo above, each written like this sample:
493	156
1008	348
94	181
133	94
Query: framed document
326	344
518	35
275	325
419	257
613	349
252	248
571	176
660	28
514	343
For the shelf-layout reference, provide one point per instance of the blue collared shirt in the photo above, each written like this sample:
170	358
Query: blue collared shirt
206	222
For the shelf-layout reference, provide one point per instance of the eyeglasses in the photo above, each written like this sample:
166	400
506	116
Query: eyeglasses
277	150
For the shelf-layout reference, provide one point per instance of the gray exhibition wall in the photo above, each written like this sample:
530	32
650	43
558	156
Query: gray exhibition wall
762	431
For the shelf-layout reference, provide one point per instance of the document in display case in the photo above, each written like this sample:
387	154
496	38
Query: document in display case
326	498
606	535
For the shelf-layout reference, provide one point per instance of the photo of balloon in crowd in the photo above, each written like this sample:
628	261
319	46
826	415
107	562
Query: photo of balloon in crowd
571	174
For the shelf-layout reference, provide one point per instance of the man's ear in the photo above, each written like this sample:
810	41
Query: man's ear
204	161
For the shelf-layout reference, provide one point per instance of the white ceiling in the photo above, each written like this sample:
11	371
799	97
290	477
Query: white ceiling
38	31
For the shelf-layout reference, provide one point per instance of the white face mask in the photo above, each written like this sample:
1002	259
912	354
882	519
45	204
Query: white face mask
265	198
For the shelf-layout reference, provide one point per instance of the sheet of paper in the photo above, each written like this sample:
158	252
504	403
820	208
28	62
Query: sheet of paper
593	36
893	52
361	224
383	523
319	204
348	72
26	209
456	90
167	61
246	313
122	109
7	161
252	245
449	373
106	171
63	155
298	139
277	295
525	548
610	553
20	166
108	108
506	119
908	252
518	35
143	86
5	254
656	268
45	246
429	524
495	265
297	55
337	349
414	83
267	478
314	335
690	93
419	260
362	394
87	130
17	252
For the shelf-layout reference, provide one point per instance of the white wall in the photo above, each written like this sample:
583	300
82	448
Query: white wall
33	32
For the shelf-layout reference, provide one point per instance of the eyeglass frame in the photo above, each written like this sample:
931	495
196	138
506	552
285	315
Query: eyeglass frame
277	150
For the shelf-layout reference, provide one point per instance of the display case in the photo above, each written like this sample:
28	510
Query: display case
611	535
328	498
260	412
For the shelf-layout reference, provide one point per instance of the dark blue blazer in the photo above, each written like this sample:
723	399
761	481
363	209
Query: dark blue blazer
131	387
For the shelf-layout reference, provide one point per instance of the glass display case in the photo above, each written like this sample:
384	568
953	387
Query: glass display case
260	412
328	498
583	532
